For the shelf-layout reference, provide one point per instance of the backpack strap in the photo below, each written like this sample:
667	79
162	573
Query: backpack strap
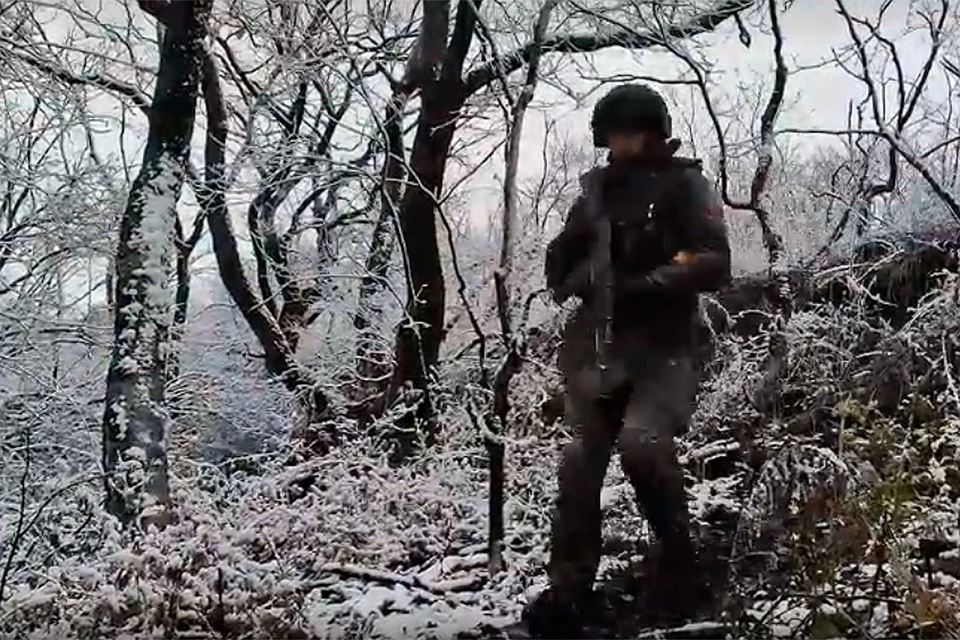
601	272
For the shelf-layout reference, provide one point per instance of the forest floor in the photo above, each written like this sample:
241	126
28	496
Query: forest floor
835	513
338	547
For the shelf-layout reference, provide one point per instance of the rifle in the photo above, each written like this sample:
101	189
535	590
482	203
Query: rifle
601	277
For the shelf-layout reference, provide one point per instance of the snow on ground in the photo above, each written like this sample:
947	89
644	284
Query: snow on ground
856	522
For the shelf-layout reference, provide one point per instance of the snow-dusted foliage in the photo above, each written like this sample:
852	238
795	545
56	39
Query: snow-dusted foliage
347	546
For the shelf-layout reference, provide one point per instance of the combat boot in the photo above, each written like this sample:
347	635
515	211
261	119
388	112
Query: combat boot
559	614
683	591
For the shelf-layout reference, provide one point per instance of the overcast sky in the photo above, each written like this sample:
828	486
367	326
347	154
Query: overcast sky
815	98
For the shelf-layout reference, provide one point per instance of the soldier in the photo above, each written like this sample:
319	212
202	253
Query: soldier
667	243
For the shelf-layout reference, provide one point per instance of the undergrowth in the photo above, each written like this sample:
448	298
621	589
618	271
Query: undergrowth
840	502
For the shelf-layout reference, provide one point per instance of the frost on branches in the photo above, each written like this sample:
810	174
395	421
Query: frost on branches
345	546
135	424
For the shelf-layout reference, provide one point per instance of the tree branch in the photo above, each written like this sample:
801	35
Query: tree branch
138	97
893	135
483	75
279	357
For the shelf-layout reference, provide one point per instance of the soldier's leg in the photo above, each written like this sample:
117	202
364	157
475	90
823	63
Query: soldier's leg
659	409
576	534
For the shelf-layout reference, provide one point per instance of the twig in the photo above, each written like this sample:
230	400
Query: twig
467	583
875	95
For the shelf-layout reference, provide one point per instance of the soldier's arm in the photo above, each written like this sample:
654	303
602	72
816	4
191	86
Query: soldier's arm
567	260
704	261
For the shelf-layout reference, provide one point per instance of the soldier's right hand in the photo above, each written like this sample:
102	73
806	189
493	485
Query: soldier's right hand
578	283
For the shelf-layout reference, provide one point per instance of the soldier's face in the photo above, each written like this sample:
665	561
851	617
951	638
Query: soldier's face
627	144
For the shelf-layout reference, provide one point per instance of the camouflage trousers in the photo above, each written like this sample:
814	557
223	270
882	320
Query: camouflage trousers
642	418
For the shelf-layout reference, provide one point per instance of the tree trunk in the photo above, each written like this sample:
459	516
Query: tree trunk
438	72
436	67
181	298
279	356
419	335
494	438
108	284
135	422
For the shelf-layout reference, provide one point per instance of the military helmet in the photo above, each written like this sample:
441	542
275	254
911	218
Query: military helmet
630	108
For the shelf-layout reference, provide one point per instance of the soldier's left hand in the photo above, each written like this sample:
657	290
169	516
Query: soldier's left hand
657	281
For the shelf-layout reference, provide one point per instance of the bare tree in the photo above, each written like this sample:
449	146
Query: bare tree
511	333
289	140
384	235
33	50
289	113
908	93
283	303
757	201
35	226
135	422
879	127
56	210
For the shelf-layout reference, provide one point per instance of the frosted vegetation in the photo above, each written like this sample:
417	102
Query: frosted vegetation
224	217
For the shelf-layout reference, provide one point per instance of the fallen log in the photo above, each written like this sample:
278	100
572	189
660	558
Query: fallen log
892	273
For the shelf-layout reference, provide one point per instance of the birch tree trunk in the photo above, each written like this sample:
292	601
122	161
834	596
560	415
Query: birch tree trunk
135	424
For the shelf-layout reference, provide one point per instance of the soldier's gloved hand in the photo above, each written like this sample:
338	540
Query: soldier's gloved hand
576	284
660	280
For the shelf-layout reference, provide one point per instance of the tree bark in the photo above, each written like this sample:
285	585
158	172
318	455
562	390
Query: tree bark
135	424
435	68
419	336
494	439
181	299
278	352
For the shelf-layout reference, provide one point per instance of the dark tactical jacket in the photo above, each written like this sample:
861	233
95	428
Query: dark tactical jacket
657	207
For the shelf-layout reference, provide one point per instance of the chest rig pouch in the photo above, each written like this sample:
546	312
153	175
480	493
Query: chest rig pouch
643	221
